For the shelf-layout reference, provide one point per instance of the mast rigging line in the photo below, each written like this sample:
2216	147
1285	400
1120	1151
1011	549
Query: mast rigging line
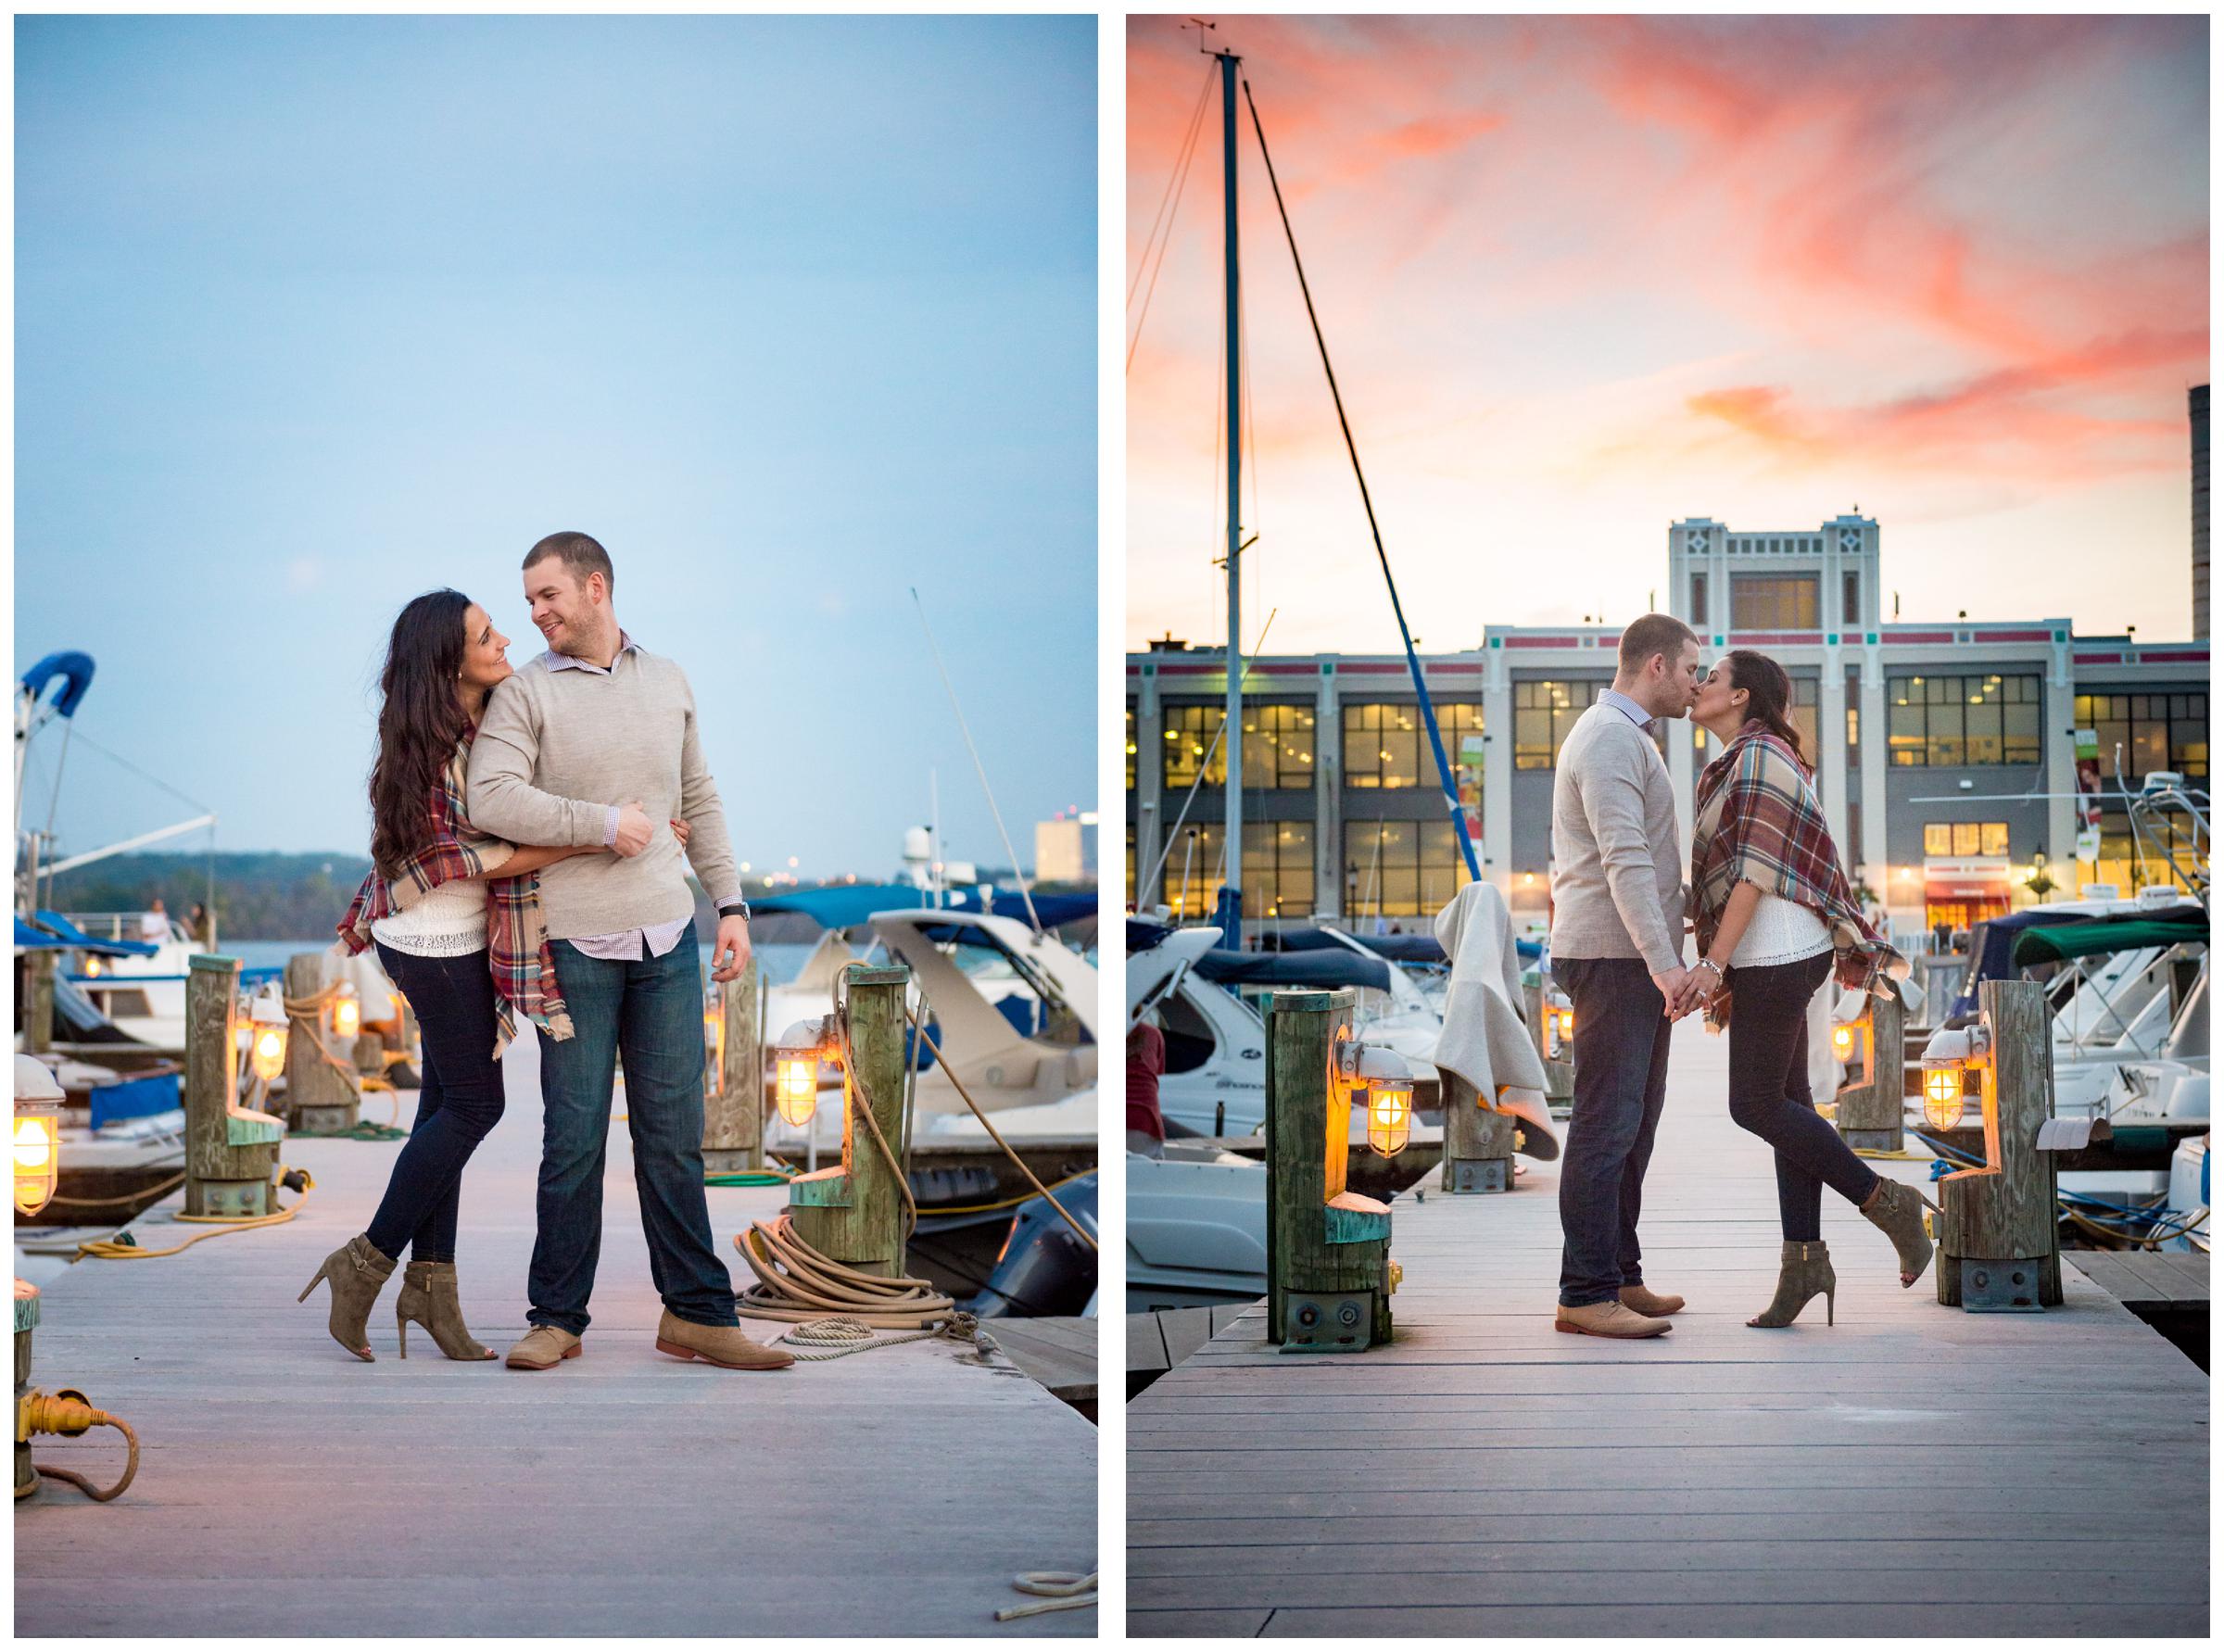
1175	184
1427	711
1166	847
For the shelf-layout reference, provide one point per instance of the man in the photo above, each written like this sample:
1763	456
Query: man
154	923
596	719
1617	952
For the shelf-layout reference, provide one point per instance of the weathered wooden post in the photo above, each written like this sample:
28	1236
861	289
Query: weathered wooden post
38	1003
1558	1054
1478	1141
1872	1100
1328	1250
319	1099
733	1082
1998	1249
27	1321
855	1212
231	1151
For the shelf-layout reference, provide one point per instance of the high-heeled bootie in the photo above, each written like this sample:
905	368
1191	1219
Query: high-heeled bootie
355	1274
1806	1274
1897	1209
428	1297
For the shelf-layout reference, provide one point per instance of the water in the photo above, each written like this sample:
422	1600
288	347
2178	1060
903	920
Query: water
780	961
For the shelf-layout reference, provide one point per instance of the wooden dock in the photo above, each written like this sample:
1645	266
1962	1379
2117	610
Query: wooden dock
1913	1469
286	1489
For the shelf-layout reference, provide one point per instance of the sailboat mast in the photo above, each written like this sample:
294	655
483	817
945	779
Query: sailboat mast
1230	915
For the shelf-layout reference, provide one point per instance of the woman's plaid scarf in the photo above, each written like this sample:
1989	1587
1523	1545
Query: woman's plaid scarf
517	937
1757	821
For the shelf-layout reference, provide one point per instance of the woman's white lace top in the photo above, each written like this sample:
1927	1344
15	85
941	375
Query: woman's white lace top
1781	932
450	922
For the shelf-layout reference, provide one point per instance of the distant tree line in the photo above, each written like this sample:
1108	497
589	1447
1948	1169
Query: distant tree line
258	896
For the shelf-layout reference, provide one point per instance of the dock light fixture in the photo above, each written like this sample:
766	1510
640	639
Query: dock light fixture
1559	1030
1841	1042
795	1061
1952	1051
1387	1084
267	1034
36	1133
93	969
347	1013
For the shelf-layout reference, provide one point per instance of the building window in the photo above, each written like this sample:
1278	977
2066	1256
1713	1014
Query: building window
1962	839
1851	615
1401	868
1190	732
1806	718
1543	714
1386	748
2130	865
1699	601
1192	871
2157	731
1131	757
1130	884
1277	747
1954	722
1852	728
1773	602
1278	868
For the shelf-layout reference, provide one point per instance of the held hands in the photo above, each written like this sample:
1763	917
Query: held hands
1700	988
681	830
635	829
730	953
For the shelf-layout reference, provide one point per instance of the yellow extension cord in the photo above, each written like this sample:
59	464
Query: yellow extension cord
70	1413
110	1250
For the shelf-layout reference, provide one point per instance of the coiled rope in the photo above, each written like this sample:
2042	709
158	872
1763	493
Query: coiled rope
799	1283
1067	1591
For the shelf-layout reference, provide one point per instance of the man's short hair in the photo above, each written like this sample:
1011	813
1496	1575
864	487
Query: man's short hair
578	553
1654	634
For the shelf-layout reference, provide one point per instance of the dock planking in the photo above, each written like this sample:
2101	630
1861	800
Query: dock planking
285	1488
1911	1469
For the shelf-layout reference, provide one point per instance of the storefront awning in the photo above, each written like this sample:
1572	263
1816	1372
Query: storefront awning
1965	888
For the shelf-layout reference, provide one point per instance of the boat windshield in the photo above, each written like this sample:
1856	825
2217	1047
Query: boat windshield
983	956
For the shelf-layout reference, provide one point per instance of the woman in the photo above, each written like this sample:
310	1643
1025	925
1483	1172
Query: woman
456	918
1774	917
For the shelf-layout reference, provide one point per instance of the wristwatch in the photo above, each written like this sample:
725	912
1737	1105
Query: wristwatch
733	909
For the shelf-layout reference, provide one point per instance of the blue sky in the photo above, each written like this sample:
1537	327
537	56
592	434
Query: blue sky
315	314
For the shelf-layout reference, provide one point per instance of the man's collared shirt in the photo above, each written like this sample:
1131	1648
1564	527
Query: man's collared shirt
625	944
1628	708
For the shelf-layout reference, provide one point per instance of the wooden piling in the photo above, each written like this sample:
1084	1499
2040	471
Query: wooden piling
319	1100
1559	1070
1998	1248
1478	1141
855	1213
1328	1250
230	1150
733	1108
38	1003
1872	1110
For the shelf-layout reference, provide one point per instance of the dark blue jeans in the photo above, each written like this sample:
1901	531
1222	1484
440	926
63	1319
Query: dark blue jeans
1769	1094
453	999
651	1009
1620	1080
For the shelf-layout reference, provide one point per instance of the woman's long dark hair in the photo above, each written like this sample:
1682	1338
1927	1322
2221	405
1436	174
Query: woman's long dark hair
419	725
1768	697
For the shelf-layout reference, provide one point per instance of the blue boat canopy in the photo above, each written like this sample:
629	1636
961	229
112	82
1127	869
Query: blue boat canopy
1338	967
73	668
1399	949
843	906
56	933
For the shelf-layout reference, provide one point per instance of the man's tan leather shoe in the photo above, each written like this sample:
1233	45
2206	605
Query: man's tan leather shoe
542	1348
1606	1319
720	1344
1642	1300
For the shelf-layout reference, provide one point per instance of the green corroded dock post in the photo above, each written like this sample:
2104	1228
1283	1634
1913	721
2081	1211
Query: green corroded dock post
230	1150
1872	1102
27	1321
1998	1249
319	1099
1478	1141
733	1102
855	1213
1328	1250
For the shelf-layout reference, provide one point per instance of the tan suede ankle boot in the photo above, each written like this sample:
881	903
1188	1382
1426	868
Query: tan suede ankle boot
1806	1274
428	1297
354	1274
1897	1209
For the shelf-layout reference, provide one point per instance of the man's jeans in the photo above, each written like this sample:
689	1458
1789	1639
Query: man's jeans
1621	1034
652	1009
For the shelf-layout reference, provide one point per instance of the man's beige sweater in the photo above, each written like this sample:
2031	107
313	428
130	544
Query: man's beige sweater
556	749
1617	864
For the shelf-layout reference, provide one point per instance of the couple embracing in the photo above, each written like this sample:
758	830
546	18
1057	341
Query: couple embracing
1773	918
519	869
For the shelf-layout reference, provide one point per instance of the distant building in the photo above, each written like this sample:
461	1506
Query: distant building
1931	744
1066	847
2197	410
